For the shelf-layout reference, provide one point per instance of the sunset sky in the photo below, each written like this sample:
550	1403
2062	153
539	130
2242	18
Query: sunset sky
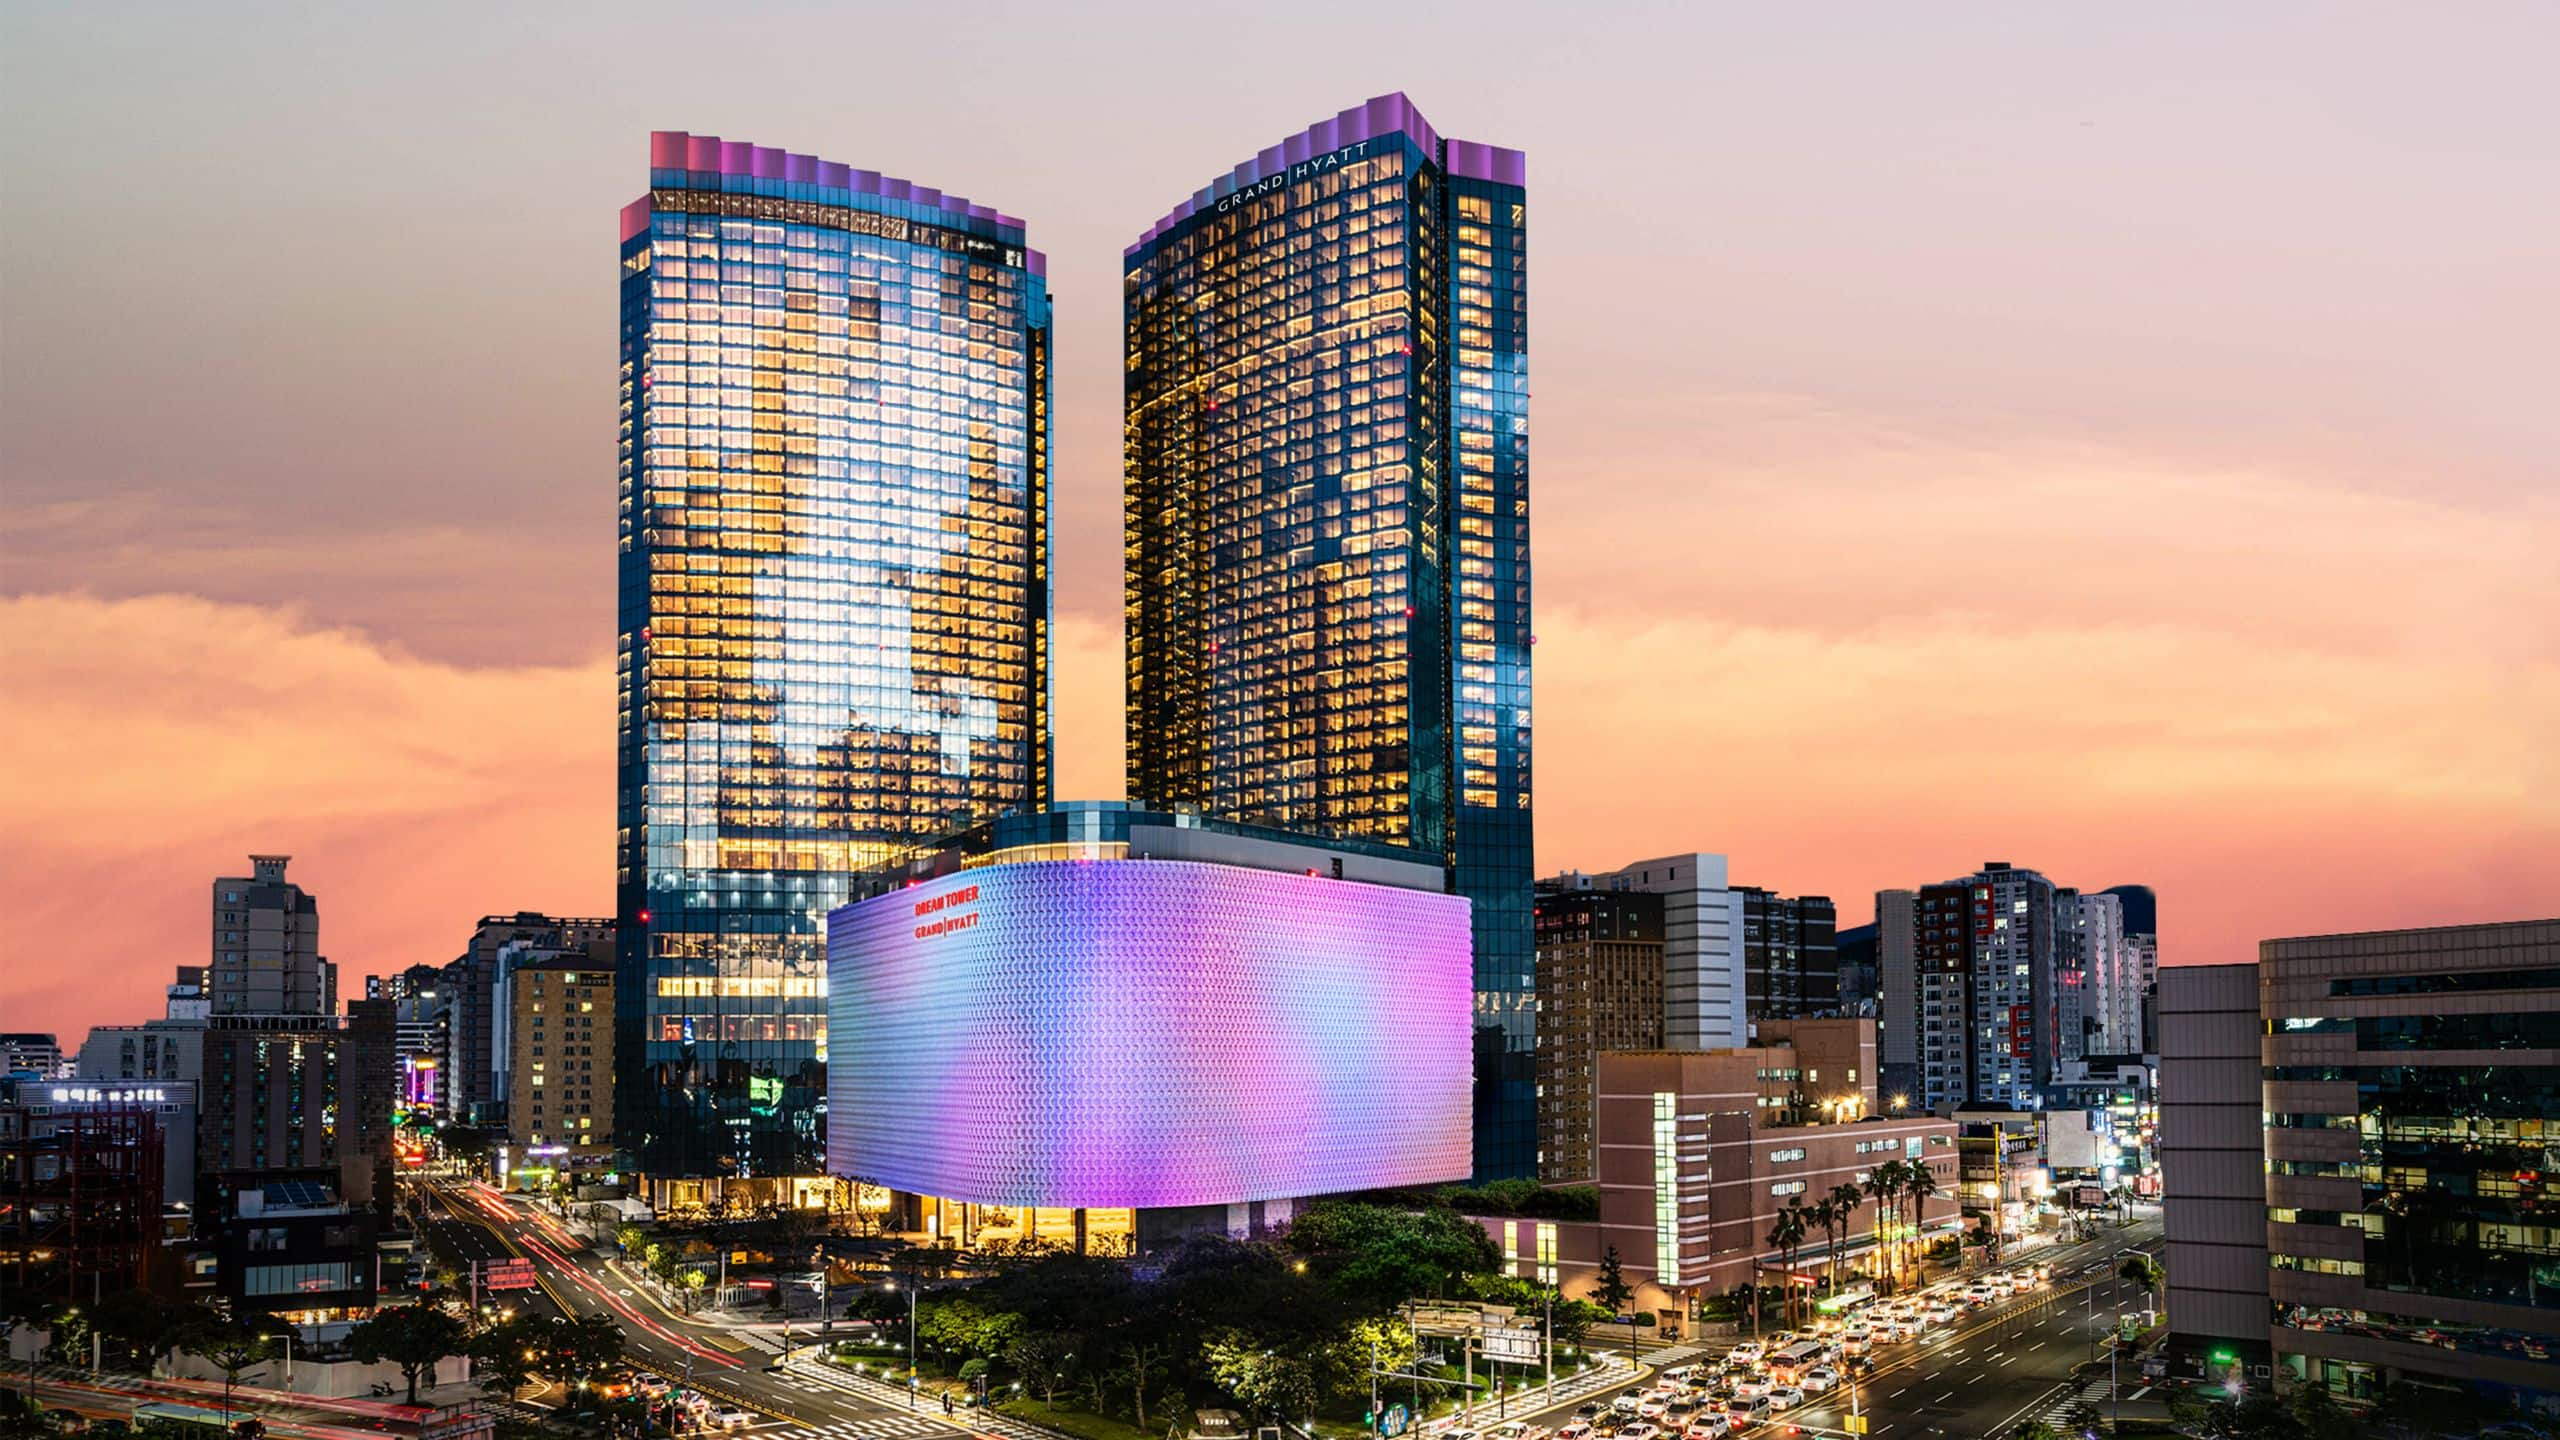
2120	440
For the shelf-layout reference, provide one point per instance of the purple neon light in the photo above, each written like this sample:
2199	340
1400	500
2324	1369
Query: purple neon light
1383	115
711	155
1148	1033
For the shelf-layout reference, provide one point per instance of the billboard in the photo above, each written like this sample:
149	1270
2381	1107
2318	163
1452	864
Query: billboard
1148	1033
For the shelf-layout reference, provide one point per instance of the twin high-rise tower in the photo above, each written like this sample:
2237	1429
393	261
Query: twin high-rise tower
835	583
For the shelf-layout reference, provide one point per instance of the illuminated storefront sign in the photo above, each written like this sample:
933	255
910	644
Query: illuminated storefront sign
97	1095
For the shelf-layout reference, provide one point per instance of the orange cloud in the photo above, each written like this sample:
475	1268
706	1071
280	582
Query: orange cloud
159	740
2287	707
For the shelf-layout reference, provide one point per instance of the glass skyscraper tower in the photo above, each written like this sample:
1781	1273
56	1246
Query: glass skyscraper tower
1326	454
834	604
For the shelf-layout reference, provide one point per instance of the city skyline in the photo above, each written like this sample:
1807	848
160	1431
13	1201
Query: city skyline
2288	660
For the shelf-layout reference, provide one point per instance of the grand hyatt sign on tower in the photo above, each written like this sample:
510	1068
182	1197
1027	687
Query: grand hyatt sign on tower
943	923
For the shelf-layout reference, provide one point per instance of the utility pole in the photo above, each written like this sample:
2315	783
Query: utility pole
1377	1422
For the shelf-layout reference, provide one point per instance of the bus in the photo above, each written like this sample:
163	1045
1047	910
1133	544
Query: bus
1796	1359
191	1418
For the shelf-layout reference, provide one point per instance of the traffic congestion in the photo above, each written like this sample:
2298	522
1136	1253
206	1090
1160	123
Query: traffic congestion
1754	1386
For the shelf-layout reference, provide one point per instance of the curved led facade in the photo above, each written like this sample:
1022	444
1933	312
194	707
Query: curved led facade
1147	1034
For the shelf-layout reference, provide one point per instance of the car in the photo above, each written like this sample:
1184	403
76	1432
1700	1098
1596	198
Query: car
1516	1430
1744	1410
1820	1380
1680	1374
1626	1404
1587	1410
1941	1315
1652	1407
1574	1430
650	1385
1640	1431
733	1418
1708	1427
1785	1397
65	1422
1679	1412
1746	1353
1856	1342
1752	1389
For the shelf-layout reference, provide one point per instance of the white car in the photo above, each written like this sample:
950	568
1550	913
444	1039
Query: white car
1746	1353
1941	1315
1708	1427
733	1419
1651	1407
1640	1431
1785	1397
1626	1404
1820	1380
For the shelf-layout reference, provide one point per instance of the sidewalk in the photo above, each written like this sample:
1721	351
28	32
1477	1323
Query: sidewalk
1608	1372
803	1361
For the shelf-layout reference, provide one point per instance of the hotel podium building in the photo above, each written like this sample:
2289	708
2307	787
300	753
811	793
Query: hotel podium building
1326	456
1113	1028
834	577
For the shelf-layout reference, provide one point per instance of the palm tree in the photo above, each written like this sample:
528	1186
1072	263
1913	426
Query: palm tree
1827	1215
1919	1186
1884	1183
1784	1236
1844	1202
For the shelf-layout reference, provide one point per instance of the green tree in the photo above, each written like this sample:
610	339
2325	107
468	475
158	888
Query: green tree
414	1337
692	1283
467	1143
2034	1430
509	1355
1140	1363
632	1239
963	1325
229	1347
1786	1235
1343	1361
581	1351
1919	1187
1045	1360
72	1327
146	1326
1386	1256
1612	1292
1262	1379
2144	1271
1883	1185
1845	1199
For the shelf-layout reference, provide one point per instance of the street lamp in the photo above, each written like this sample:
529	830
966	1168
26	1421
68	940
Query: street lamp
911	1343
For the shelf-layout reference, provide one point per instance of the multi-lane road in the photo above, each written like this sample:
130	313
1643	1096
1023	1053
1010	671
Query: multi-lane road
469	1222
1993	1368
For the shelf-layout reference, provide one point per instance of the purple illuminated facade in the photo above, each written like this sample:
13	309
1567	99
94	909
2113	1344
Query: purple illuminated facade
1147	1034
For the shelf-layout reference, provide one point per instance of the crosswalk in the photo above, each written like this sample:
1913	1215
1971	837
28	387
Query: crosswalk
2057	1411
869	1427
